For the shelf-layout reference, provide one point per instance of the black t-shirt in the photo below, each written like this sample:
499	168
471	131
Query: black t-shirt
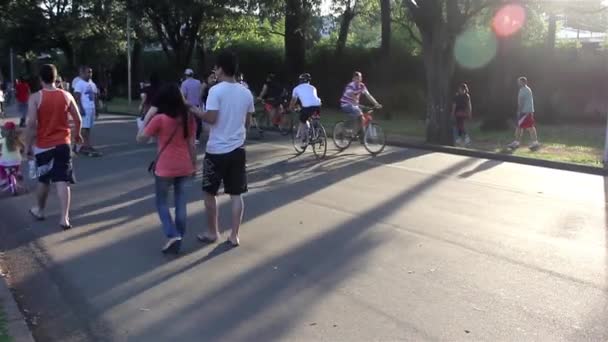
275	90
462	102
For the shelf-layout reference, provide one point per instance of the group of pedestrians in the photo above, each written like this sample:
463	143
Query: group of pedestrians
173	116
462	110
172	119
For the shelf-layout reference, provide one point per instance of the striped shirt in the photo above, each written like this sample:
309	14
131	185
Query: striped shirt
53	118
352	93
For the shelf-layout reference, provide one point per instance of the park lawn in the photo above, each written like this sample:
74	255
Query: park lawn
578	144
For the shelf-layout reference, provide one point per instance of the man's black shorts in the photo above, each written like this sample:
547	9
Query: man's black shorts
229	168
55	165
307	112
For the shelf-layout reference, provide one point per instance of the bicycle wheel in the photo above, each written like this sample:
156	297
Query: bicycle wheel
296	139
286	125
319	145
374	139
340	136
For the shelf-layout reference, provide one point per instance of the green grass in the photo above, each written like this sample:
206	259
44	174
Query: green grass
3	328
578	144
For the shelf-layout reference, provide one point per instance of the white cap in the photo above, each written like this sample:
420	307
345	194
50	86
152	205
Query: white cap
189	72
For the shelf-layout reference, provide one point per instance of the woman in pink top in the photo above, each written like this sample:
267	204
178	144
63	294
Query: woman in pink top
174	127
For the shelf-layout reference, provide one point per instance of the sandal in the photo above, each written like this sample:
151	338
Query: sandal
204	239
36	216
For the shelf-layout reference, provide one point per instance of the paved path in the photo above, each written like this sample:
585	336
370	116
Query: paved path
405	246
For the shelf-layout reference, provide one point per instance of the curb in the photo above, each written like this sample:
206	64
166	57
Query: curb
484	155
503	157
17	328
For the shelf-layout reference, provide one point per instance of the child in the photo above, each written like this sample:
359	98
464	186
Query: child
11	148
461	111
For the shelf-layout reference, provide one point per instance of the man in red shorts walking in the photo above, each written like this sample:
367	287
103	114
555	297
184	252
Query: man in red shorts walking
525	116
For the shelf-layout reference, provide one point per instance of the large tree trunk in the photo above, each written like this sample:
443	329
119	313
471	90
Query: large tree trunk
347	18
137	69
385	10
295	37
201	57
438	57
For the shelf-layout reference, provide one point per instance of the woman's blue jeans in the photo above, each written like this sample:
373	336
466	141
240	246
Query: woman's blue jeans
178	228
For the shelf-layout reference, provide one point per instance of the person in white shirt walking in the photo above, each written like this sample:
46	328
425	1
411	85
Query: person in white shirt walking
525	116
228	112
86	94
192	89
311	104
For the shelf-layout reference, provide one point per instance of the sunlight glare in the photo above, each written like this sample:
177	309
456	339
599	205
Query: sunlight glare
509	20
475	48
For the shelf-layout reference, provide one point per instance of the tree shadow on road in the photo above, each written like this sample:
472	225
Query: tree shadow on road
485	166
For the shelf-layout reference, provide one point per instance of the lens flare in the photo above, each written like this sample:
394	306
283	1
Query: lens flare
475	48
509	20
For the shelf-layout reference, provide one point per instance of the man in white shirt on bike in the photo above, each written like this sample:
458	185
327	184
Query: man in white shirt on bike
311	104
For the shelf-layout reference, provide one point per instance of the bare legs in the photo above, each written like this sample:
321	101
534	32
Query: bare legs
63	193
519	132
213	232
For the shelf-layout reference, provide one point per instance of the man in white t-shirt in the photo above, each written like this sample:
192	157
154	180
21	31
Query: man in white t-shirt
311	104
86	94
229	108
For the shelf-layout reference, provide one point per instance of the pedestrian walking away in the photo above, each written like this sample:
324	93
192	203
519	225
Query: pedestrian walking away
174	127
525	116
461	111
86	94
193	92
229	108
48	140
22	93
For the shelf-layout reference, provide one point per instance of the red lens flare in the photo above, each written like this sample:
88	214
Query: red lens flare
509	20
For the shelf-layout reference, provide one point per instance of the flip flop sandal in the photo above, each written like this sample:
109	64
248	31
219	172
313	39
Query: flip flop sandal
37	217
66	227
232	244
204	239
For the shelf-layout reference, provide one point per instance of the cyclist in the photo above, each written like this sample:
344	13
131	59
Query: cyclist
273	93
311	104
349	103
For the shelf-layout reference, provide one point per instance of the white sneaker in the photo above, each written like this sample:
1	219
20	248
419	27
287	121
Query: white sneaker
458	142
535	146
514	145
467	140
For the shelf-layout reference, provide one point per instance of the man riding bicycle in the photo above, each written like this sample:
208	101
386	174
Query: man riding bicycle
311	104
349	103
272	94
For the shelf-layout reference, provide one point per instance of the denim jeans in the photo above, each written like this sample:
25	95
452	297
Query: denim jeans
178	228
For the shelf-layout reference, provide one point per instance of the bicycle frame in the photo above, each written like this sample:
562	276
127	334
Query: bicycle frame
13	185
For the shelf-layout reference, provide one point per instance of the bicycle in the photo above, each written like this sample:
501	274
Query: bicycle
317	137
372	135
13	186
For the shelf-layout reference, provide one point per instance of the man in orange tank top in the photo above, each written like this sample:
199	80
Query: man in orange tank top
49	138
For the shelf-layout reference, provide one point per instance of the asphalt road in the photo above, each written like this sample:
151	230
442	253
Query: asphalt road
409	245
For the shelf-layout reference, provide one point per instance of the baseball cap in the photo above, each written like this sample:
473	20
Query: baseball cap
9	125
189	72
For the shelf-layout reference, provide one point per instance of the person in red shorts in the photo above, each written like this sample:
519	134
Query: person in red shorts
525	116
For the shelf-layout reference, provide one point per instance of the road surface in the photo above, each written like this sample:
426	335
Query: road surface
409	245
